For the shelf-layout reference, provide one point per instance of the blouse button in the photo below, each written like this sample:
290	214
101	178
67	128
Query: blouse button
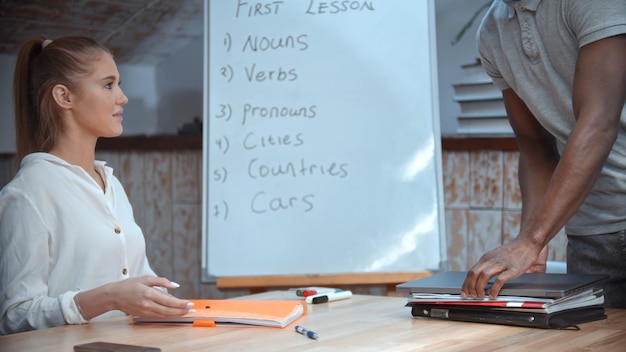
124	271
118	230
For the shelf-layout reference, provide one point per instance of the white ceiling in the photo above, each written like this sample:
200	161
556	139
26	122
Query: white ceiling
137	31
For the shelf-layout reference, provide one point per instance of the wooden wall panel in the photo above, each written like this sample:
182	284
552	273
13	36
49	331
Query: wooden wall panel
158	211
481	195
486	179
186	242
456	179
456	238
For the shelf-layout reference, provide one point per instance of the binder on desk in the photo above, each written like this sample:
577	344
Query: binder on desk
559	320
590	297
236	313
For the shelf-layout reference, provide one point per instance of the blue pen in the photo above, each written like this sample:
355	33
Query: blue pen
306	332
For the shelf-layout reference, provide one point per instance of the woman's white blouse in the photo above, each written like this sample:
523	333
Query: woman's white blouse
60	234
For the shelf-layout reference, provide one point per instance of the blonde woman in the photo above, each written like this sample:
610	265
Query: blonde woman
70	250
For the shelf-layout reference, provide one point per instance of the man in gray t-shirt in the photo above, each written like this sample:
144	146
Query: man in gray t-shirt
561	65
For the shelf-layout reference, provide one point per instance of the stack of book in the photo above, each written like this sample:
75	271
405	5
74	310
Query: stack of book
481	103
533	300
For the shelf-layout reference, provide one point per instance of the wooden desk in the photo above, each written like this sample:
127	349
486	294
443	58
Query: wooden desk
362	323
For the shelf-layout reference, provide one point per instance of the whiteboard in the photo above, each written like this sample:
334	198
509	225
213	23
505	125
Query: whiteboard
322	147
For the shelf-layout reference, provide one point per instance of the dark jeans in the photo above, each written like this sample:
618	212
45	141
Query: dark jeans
601	254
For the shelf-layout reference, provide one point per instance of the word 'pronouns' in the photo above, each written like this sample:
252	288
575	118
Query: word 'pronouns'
270	112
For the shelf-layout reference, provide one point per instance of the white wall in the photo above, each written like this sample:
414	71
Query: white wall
7	124
179	88
163	98
139	85
451	16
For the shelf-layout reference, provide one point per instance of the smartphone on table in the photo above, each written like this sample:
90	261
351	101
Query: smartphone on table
100	346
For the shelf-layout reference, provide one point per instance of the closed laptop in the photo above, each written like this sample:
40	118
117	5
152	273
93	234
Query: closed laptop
529	284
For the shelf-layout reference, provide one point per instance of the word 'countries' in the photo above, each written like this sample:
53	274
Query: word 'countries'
257	169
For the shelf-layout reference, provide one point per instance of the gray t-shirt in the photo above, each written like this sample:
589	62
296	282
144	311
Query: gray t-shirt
531	46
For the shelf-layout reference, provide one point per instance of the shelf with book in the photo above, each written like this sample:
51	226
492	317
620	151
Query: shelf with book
476	91
482	108
484	125
481	103
474	73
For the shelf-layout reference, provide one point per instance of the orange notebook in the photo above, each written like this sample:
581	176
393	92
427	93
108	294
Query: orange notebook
233	312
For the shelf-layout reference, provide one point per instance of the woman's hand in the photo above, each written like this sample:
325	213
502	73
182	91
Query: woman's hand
141	296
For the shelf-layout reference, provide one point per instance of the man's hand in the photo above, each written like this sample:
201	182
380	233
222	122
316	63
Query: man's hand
507	262
540	265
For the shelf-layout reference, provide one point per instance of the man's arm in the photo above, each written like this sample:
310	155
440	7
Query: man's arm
538	157
599	93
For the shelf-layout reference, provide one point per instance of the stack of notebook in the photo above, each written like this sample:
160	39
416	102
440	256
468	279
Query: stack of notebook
235	312
534	300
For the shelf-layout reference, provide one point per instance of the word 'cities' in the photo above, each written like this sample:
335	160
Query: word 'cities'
253	141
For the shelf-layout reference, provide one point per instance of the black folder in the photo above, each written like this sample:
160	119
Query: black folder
558	320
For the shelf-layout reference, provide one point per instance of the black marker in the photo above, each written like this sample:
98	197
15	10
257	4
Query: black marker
329	297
